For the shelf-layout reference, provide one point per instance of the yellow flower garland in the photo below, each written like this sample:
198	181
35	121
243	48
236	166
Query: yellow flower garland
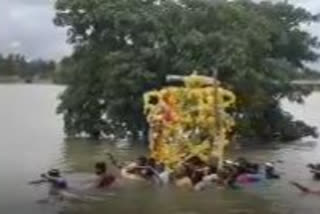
183	122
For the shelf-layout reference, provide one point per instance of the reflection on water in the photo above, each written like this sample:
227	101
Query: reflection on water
32	141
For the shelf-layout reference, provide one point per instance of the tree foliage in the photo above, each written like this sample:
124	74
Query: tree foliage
123	48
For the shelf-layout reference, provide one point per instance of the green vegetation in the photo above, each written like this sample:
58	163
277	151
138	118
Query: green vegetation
15	65
123	48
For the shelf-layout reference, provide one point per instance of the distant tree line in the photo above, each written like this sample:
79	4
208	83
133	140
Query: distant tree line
309	74
18	65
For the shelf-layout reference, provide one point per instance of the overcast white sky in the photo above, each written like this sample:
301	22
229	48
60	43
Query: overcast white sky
26	27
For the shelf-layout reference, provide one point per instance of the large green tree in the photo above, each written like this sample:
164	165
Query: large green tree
123	48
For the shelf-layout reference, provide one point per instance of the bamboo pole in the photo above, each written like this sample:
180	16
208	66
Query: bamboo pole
216	107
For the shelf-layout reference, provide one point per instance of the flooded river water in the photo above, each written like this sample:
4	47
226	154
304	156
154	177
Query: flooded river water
32	140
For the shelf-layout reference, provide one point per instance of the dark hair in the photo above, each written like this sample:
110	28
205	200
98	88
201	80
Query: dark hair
196	177
255	167
213	169
54	173
242	161
101	166
161	167
195	160
142	160
311	166
152	162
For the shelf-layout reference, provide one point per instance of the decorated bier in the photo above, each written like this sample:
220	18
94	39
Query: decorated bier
189	121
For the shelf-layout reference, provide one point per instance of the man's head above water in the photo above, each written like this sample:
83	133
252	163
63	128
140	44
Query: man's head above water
142	161
100	168
54	173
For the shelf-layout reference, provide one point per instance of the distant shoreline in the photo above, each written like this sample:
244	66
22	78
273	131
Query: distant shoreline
18	80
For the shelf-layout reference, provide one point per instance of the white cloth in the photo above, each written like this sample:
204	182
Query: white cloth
206	181
164	177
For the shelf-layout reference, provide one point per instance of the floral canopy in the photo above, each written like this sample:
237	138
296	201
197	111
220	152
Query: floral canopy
186	121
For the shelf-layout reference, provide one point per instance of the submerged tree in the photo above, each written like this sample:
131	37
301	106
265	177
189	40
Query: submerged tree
123	48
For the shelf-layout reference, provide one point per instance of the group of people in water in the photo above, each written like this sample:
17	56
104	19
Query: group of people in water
192	174
198	175
59	187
